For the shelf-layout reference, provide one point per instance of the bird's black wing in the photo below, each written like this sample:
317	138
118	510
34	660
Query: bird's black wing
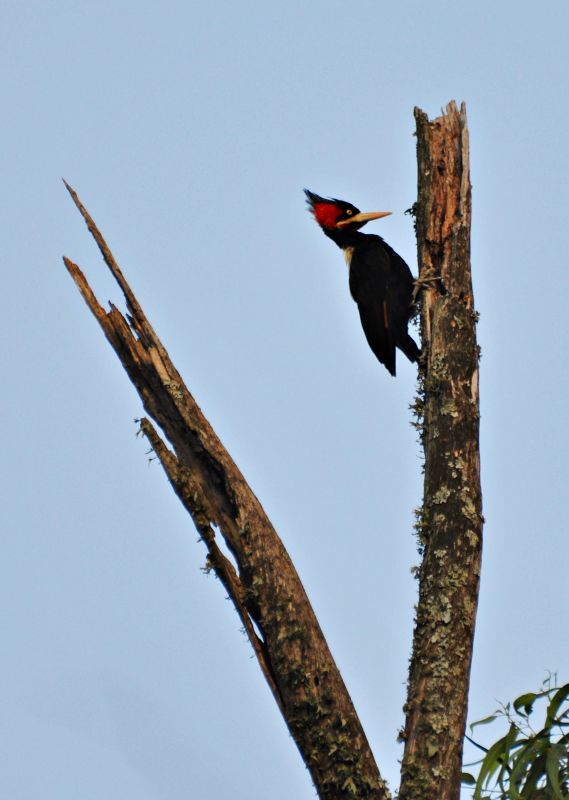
382	285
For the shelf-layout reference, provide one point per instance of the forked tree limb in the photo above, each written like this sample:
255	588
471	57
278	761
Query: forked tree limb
450	521
264	586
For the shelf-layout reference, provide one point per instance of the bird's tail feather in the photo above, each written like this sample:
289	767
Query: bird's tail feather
409	347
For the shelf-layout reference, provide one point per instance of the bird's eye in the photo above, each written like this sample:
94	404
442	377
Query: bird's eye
349	212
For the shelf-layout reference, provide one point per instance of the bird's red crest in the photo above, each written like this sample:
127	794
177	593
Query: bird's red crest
326	214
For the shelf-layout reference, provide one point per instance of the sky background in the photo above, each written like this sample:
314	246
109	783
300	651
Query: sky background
189	130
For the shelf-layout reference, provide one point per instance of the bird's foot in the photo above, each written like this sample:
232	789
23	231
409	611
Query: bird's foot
420	282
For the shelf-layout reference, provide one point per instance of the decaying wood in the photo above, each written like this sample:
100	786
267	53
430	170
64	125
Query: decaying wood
264	586
450	521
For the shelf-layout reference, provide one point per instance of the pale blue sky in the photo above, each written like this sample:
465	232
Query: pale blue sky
189	130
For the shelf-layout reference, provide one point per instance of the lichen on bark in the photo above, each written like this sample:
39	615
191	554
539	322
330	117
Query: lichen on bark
449	523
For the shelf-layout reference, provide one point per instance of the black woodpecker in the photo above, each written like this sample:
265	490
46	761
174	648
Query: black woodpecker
381	283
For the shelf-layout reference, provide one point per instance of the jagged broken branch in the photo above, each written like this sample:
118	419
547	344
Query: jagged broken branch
264	586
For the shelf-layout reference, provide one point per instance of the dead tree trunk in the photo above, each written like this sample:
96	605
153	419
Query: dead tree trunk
450	521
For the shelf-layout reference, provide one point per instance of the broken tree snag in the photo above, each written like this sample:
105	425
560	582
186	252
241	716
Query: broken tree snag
264	586
450	521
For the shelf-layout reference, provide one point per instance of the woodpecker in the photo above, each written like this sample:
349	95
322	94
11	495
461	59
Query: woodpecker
380	281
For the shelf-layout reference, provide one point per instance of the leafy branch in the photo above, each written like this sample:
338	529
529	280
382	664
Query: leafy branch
531	761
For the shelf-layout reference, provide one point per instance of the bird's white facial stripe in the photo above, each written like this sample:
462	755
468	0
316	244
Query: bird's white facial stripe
348	253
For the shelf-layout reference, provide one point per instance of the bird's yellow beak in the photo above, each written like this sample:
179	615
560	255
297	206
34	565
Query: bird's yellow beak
364	216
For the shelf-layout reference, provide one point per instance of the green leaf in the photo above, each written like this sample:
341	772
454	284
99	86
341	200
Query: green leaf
467	779
511	742
491	763
486	720
560	696
534	776
554	756
479	746
523	760
526	702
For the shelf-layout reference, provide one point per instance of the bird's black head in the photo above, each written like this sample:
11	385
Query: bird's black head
337	215
328	211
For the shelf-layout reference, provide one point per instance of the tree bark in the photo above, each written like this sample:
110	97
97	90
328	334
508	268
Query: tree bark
450	521
264	586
